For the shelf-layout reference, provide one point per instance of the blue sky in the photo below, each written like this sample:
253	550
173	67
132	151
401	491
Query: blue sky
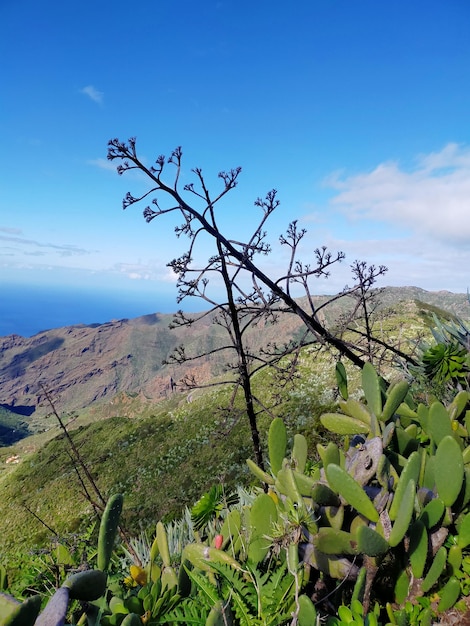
356	111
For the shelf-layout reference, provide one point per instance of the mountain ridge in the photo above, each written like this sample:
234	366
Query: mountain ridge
82	365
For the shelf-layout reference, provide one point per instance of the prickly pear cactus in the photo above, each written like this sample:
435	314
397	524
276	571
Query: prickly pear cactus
397	493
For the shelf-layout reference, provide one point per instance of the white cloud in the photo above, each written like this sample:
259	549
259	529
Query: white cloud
94	94
103	164
151	271
62	250
432	199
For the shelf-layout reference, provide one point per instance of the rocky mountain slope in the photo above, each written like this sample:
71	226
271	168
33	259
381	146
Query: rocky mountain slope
82	365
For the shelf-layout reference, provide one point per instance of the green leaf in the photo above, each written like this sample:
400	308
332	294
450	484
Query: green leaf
370	542
395	397
344	484
343	424
371	388
418	548
449	477
277	444
436	569
438	422
300	452
403	519
342	379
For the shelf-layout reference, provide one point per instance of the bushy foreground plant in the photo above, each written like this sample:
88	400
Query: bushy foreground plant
445	365
378	534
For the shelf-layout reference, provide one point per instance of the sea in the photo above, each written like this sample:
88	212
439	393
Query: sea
29	309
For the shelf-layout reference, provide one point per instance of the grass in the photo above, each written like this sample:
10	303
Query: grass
161	462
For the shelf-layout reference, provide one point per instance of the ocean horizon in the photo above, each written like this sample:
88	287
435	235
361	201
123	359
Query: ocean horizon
30	309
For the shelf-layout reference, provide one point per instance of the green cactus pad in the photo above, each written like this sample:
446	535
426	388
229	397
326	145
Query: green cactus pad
385	471
403	519
7	605
388	433
343	424
230	529
371	388
356	409
418	550
304	483
340	568
329	454
263	515
409	472
436	569
333	541
334	516
406	442
454	558
405	411
344	484
307	614
449	477
438	422
15	614
324	496
277	444
56	609
201	556
292	558
108	529
458	404
342	379
466	455
449	594
87	586
259	473
370	542
429	480
463	539
359	586
299	452
169	578
287	485
402	586
395	396
464	496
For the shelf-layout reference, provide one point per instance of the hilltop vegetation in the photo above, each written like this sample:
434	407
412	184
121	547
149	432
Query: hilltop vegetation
162	455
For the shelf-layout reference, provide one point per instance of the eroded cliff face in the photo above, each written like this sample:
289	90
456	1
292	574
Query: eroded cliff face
76	364
82	365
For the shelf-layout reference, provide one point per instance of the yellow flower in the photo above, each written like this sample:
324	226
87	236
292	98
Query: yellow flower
138	574
273	496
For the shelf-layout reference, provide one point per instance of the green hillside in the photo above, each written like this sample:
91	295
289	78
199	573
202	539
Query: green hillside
163	455
160	461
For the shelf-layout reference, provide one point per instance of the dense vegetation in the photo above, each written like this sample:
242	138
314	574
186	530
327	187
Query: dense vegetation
359	530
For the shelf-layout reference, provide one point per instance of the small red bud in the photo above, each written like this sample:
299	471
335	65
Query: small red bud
218	541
